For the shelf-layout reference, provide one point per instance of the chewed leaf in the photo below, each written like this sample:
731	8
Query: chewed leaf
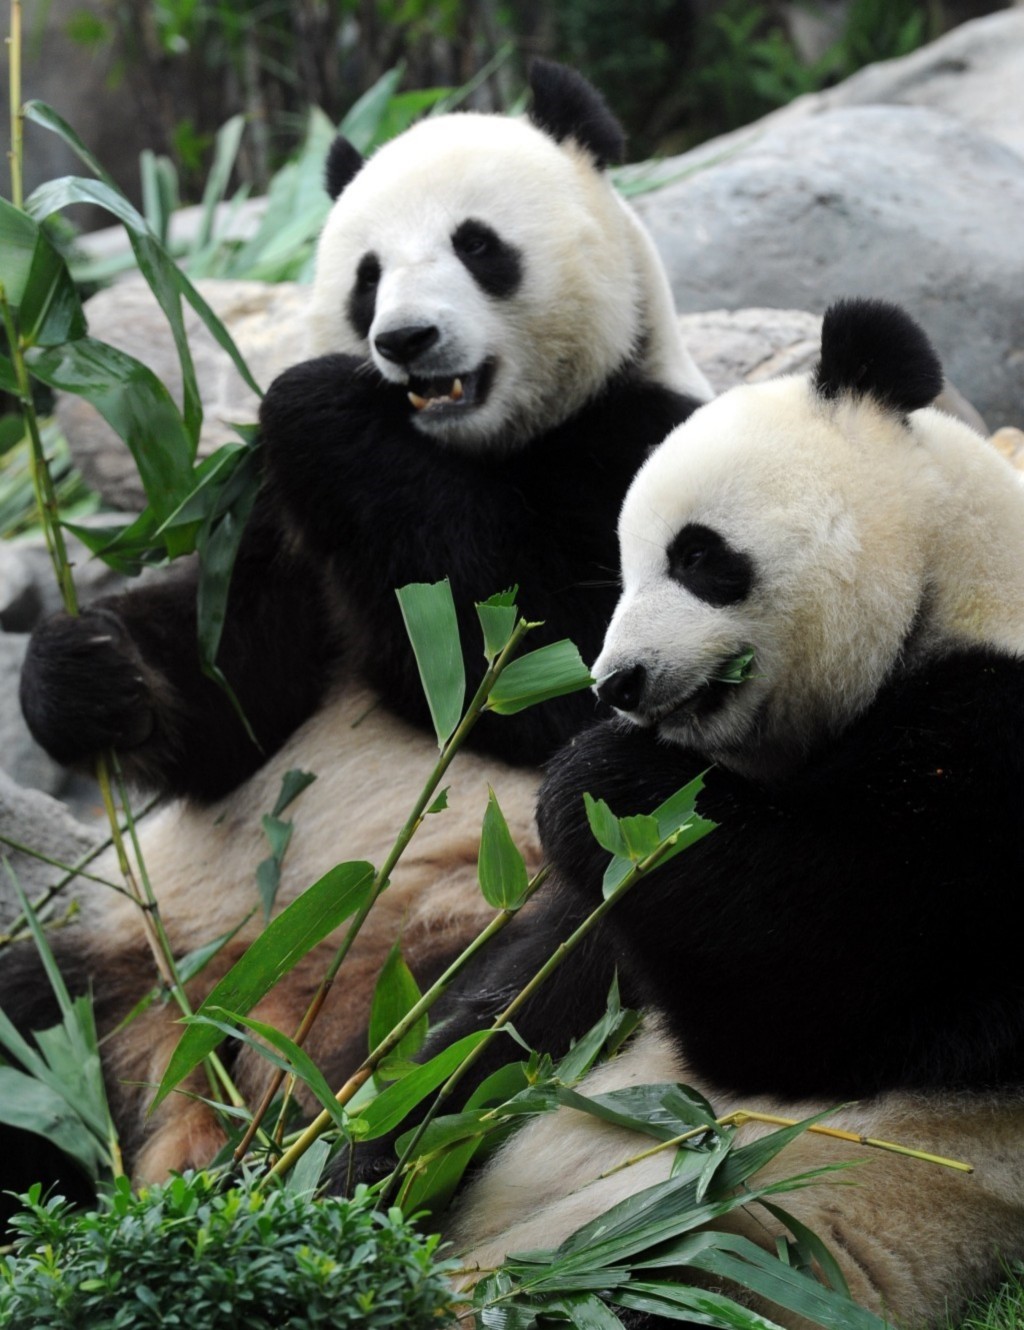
497	617
738	669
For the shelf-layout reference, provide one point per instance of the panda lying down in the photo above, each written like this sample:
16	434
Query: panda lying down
844	934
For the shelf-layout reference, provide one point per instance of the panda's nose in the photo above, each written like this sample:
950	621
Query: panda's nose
403	345
623	689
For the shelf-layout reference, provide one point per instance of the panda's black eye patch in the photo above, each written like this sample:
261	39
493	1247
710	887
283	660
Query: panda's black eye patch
494	264
362	298
703	562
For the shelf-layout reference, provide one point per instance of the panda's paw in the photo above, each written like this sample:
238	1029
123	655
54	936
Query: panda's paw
85	688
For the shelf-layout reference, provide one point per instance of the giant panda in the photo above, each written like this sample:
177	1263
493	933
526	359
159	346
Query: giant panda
495	353
844	935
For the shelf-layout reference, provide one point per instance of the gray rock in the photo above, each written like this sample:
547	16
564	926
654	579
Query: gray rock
34	819
28	586
268	325
20	756
898	202
749	345
975	73
20	596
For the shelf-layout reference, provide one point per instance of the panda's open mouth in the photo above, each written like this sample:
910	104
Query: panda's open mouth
443	394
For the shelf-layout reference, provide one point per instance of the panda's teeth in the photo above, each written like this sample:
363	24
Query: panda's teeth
418	402
456	392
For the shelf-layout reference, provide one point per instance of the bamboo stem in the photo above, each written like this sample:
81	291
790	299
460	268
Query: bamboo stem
381	882
743	1115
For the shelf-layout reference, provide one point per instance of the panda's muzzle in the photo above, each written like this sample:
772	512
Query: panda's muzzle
634	692
445	393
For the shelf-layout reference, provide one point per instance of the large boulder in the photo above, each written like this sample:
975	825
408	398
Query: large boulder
894	201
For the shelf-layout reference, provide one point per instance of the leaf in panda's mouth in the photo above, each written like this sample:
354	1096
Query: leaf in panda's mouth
459	393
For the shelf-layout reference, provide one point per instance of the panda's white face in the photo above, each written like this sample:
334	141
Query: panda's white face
830	538
489	270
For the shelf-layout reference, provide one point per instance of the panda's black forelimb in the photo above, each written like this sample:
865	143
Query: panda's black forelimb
378	505
126	674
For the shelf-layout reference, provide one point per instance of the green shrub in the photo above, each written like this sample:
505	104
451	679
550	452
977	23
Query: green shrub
187	1255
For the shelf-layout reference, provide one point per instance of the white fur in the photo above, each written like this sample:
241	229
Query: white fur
860	529
593	292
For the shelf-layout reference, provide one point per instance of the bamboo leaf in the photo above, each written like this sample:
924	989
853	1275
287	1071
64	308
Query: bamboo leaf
292	1059
134	403
695	1306
292	785
289	937
540	675
389	1108
36	281
501	868
8	379
604	826
497	615
396	993
29	1105
430	620
586	1311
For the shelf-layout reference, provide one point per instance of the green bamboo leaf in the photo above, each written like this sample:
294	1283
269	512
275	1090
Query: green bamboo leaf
134	403
497	615
663	1111
281	945
218	542
548	672
292	1059
433	1183
730	1257
430	620
225	152
812	1247
641	834
501	868
292	784
45	116
694	1306
604	826
363	118
586	1311
396	993
29	1105
385	1112
611	1030
8	378
305	1176
36	281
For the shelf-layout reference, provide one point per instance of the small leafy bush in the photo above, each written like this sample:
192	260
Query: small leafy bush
187	1255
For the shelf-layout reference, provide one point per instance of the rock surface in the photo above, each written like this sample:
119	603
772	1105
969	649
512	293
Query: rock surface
898	201
32	818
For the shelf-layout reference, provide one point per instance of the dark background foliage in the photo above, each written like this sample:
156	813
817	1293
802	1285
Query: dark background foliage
131	74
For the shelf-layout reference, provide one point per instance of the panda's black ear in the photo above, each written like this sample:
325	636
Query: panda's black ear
343	161
566	106
872	348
